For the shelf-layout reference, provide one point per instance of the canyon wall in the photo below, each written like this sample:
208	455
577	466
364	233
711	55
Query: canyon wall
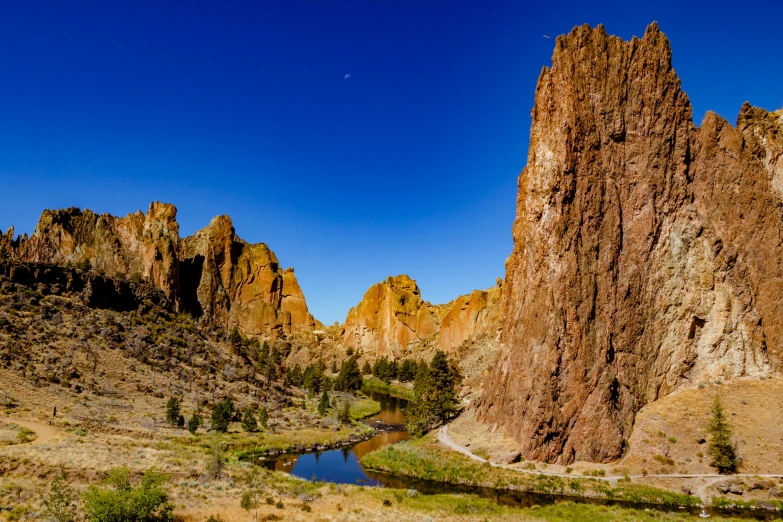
393	320
648	253
213	275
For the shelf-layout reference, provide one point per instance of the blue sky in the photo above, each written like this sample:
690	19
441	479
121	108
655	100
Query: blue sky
243	108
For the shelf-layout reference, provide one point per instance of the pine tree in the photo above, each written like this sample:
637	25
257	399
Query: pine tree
263	417
249	422
344	413
222	414
724	458
194	423
350	378
434	395
366	369
323	404
172	411
235	337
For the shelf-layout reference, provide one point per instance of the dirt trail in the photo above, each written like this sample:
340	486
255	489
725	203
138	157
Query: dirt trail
445	439
45	432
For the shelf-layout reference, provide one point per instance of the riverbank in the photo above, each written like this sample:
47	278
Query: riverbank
425	459
395	389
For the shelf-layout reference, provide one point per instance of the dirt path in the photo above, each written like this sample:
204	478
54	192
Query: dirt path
45	432
445	439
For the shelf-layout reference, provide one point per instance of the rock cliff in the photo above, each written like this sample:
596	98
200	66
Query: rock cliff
213	275
393	320
647	252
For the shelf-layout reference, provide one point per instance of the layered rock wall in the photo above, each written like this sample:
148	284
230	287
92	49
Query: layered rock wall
213	274
393	320
647	252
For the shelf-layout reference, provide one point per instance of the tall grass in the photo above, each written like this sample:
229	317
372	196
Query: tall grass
396	390
414	459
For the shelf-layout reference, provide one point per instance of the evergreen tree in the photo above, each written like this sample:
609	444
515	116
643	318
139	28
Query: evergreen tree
273	361
181	421
194	423
434	395
334	366
407	370
313	378
323	404
235	338
222	415
263	417
172	411
344	413
249	422
350	378
724	458
366	369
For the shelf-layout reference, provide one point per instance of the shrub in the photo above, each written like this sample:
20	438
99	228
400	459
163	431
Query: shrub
216	460
249	422
60	505
194	423
123	500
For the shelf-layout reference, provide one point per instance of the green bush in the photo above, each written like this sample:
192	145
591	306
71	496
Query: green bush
194	423
221	415
60	505
122	500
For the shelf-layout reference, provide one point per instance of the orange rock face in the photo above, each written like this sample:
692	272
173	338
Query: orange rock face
647	252
393	320
213	274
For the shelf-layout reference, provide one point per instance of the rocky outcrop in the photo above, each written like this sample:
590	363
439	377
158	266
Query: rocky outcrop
213	275
647	252
393	320
96	291
469	315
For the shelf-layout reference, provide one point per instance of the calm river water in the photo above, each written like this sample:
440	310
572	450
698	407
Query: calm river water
342	466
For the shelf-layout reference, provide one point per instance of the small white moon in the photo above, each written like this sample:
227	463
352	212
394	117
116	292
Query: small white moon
347	76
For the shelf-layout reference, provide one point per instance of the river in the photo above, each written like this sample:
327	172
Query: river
342	466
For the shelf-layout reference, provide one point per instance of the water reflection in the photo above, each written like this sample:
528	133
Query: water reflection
342	465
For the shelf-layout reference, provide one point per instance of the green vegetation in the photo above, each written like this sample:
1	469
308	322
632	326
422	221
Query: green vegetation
249	422
434	395
364	407
194	423
371	384
60	505
417	459
172	411
721	449
222	415
323	404
122	500
24	435
350	377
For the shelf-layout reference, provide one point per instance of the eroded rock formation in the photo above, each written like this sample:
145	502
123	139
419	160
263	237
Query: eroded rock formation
648	253
213	274
393	320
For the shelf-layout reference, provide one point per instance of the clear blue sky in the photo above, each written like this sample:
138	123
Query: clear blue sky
243	108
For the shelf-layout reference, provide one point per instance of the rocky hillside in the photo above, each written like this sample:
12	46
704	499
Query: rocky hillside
393	320
213	275
647	251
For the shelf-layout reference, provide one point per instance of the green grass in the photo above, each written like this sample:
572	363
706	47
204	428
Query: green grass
396	390
422	460
364	407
